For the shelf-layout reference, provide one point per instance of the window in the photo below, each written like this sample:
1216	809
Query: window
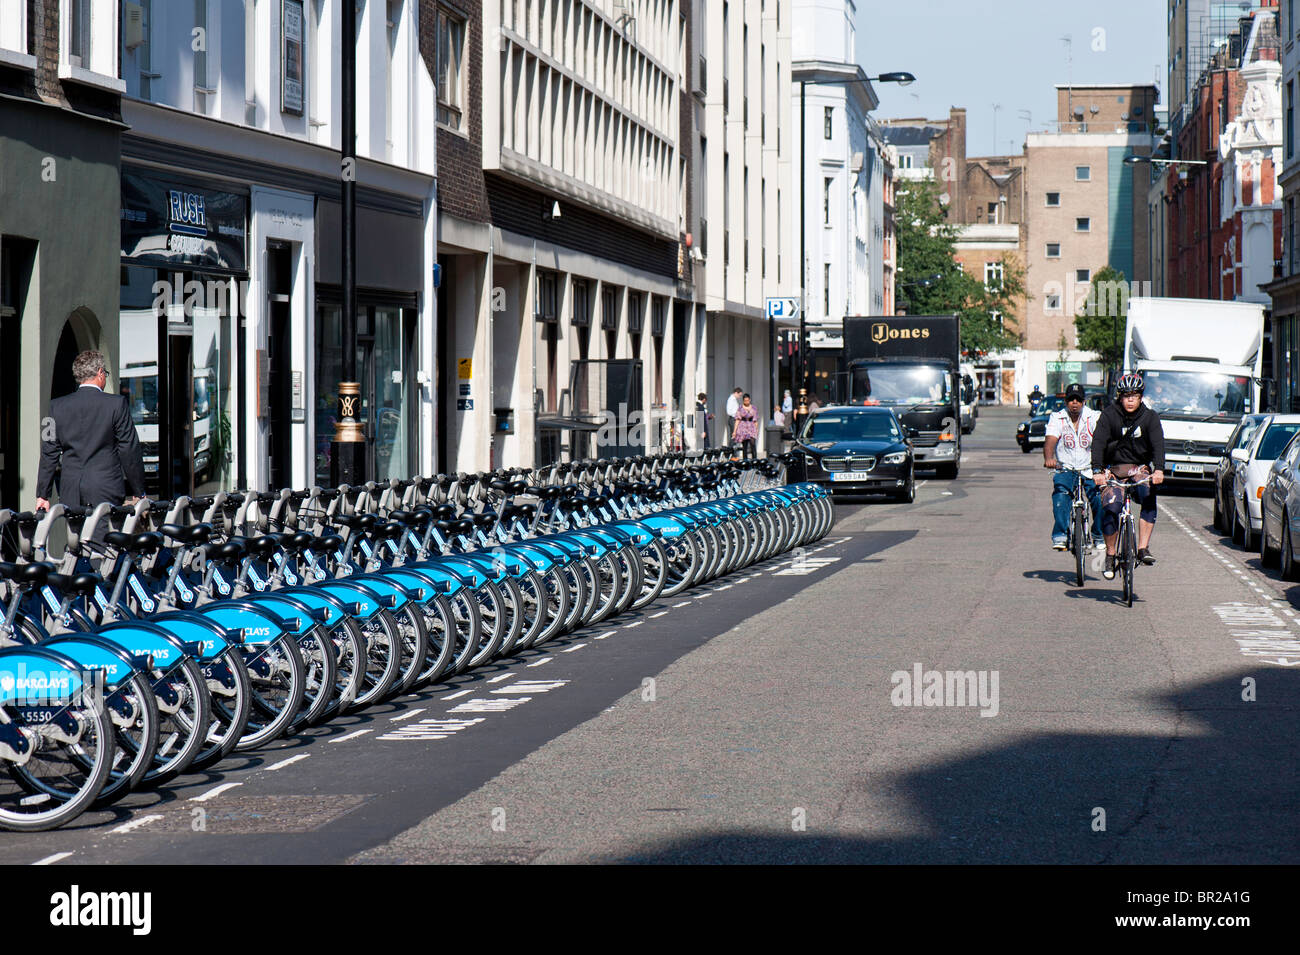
657	313
993	213
79	32
13	33
1053	199
1082	173
609	309
581	304
1289	129
451	71
1082	224
826	201
635	313
904	161
1082	275
828	123
993	273
826	290
88	42
1053	250
1051	303
547	297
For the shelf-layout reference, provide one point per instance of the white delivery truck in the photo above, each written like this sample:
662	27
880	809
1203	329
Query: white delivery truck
1201	361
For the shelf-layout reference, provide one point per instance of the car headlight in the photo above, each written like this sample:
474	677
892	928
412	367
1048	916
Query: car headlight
1023	427
898	457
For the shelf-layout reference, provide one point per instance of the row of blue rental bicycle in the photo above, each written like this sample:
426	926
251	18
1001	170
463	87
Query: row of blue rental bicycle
161	638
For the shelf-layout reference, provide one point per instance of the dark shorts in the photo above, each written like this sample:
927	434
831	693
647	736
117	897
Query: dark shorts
1112	502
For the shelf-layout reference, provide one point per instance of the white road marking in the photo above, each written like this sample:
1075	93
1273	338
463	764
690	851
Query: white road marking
682	604
136	823
457	695
537	663
217	791
498	679
607	633
631	625
291	760
50	860
659	614
702	596
405	716
342	739
576	646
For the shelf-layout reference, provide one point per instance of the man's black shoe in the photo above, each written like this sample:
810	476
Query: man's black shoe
1145	557
1109	572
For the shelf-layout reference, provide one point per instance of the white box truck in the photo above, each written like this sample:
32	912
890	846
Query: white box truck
1201	361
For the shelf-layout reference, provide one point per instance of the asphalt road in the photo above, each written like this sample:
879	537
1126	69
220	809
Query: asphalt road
771	717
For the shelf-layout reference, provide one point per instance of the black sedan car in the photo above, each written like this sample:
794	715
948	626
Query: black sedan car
1032	432
858	451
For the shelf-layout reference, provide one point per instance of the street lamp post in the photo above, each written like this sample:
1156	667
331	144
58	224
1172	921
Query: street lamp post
902	79
349	440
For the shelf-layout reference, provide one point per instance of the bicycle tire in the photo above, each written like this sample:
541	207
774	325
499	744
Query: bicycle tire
276	676
183	725
1078	531
383	658
53	785
415	646
230	702
1130	560
440	630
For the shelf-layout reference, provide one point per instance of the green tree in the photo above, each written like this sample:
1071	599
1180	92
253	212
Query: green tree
931	282
1102	316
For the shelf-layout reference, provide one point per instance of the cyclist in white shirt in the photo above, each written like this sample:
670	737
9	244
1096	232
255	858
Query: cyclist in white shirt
1069	445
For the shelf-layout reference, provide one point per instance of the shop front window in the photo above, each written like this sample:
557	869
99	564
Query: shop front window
176	352
385	342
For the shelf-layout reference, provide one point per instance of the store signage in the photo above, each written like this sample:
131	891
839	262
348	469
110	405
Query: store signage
292	59
174	224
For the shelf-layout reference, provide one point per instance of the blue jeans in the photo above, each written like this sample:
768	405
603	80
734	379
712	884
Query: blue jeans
1062	495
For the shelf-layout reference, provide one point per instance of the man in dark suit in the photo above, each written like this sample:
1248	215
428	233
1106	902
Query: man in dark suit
92	435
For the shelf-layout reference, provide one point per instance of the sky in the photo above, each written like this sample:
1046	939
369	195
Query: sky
977	53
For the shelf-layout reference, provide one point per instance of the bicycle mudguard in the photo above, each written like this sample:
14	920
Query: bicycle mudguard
141	638
193	627
473	575
364	601
562	550
94	653
541	559
387	593
585	535
329	607
298	615
39	678
260	625
668	526
500	565
422	588
455	582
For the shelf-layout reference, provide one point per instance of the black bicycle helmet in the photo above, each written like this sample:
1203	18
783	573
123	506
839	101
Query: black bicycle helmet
1129	384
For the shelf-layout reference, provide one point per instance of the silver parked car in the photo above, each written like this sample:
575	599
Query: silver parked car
1279	506
1223	472
1251	467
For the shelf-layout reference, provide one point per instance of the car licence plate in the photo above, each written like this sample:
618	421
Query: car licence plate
1182	468
849	476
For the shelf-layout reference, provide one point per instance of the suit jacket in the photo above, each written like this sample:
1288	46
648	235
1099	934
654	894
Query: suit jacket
94	439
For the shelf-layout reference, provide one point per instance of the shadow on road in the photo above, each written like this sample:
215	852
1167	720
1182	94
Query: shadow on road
1222	788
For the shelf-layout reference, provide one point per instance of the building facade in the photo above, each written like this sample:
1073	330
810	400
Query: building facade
1086	208
60	141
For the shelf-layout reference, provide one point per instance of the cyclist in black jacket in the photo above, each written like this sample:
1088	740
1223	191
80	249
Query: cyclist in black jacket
1128	442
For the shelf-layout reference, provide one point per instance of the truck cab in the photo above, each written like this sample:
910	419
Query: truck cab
1201	363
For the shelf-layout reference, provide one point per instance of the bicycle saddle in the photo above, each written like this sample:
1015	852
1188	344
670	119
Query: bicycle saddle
75	583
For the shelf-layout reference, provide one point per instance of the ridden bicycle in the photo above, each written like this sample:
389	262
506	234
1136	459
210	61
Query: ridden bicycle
1078	532
1126	547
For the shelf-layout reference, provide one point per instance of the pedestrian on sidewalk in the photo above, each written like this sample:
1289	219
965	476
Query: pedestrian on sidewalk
91	442
733	406
746	433
702	418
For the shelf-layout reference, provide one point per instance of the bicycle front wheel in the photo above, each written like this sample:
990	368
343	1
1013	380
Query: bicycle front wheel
1079	532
